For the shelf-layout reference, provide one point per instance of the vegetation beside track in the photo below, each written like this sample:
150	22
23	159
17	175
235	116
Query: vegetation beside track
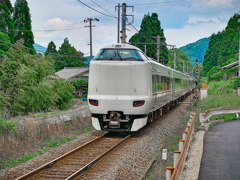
18	138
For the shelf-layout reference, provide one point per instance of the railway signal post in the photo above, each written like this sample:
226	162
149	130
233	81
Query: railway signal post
196	81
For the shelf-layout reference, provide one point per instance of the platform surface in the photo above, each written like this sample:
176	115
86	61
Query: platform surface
221	152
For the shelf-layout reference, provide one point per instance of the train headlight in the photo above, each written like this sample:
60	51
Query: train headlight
93	102
138	103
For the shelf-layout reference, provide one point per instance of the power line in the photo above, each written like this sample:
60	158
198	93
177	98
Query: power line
95	9
168	3
171	5
41	51
102	8
97	38
45	30
158	3
110	4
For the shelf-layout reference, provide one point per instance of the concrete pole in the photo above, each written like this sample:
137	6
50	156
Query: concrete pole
239	60
124	22
145	49
169	172
183	66
239	51
158	47
181	143
174	60
176	157
118	22
184	136
90	21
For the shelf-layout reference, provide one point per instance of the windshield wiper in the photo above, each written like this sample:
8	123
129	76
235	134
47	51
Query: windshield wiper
120	56
114	55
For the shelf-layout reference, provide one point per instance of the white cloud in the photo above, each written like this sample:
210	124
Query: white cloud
56	23
196	19
189	34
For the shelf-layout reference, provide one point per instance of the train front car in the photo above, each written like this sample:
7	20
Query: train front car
119	96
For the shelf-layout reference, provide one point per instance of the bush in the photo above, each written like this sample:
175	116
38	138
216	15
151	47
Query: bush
27	83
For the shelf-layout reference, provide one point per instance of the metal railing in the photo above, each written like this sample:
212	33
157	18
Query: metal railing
174	173
204	116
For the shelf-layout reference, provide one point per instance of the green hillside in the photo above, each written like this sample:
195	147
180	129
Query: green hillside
223	46
196	50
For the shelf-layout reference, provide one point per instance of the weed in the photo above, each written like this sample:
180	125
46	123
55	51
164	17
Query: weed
173	147
193	137
27	157
7	126
39	114
67	126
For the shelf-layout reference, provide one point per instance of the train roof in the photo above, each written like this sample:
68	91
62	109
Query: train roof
121	45
169	68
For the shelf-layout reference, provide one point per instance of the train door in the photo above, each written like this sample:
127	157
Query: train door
154	86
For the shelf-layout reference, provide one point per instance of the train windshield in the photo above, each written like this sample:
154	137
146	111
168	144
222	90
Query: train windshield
118	55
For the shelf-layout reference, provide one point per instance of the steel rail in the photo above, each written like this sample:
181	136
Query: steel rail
33	173
80	172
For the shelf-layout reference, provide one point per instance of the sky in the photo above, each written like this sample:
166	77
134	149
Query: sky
183	21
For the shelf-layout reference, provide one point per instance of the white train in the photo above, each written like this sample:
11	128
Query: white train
127	89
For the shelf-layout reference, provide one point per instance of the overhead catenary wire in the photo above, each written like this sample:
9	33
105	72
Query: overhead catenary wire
45	29
102	8
41	51
168	3
110	4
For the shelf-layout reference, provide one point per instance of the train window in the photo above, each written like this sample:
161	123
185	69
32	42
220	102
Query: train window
178	83
118	55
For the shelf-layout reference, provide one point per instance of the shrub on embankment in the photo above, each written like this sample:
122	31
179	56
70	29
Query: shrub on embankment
216	101
27	84
226	87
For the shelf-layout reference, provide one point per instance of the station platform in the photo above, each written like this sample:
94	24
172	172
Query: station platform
221	152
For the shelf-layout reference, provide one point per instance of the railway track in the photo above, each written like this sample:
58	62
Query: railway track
73	164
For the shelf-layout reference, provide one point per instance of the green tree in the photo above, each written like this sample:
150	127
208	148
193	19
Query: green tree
22	22
51	48
3	46
150	28
180	57
6	22
223	46
68	61
79	84
27	83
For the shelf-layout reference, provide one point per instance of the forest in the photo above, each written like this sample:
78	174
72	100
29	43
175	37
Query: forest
196	50
223	47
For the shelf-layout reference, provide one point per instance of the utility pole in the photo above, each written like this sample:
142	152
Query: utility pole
239	51
124	22
175	60
183	66
158	47
145	49
90	25
124	6
118	21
